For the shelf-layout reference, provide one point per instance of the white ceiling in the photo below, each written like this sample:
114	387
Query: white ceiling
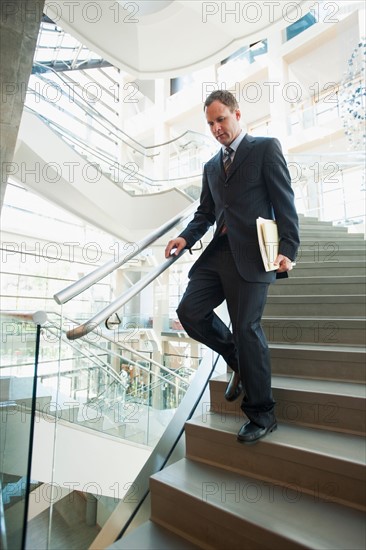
152	39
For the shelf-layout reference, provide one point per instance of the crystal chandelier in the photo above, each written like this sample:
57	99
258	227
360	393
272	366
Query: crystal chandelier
352	98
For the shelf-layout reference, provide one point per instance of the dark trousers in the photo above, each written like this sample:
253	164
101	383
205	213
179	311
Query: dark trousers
245	349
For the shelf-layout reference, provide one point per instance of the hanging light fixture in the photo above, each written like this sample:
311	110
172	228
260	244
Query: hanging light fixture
352	98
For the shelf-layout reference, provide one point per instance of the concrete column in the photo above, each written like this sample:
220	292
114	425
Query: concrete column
280	108
19	26
91	510
161	131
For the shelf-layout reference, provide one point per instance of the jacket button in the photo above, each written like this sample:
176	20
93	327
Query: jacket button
226	206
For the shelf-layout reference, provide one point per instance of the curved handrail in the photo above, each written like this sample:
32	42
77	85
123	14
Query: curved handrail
138	354
118	130
38	317
99	153
112	373
106	336
102	364
89	326
136	183
88	280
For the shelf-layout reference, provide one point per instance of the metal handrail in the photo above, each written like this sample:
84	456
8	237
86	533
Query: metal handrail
98	361
99	116
38	317
110	371
95	276
104	334
153	184
89	326
149	360
69	136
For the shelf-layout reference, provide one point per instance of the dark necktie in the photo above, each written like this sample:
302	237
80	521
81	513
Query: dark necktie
227	159
227	163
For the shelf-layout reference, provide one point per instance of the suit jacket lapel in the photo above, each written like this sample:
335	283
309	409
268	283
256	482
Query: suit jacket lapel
241	154
218	166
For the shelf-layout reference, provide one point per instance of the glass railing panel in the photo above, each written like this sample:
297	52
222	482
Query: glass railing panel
118	386
60	100
331	187
35	269
123	385
134	508
18	367
55	383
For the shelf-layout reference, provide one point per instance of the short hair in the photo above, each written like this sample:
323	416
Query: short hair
225	97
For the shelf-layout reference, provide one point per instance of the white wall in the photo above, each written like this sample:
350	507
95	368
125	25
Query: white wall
84	459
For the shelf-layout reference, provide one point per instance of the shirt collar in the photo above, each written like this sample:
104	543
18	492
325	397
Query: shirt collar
235	144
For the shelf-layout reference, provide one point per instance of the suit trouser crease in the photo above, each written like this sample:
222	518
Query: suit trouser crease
245	349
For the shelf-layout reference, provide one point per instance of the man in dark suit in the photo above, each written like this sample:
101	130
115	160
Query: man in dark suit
246	179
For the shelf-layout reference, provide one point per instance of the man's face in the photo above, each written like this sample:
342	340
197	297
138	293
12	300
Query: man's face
224	124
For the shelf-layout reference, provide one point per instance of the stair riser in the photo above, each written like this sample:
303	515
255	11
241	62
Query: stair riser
323	411
314	309
319	369
313	219
319	270
324	332
297	470
294	287
327	240
328	234
209	526
333	256
330	249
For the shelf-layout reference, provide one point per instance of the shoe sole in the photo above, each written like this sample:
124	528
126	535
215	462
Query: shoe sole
251	441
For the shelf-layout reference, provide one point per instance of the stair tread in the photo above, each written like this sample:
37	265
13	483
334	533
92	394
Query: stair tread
311	385
268	506
324	386
311	279
342	263
327	298
355	350
327	236
346	447
150	536
317	318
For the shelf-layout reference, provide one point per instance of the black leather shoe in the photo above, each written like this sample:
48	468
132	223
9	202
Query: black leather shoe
250	432
234	387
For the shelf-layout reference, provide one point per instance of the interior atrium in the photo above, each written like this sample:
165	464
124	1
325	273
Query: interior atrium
101	387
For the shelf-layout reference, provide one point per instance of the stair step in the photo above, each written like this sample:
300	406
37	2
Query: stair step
328	285
151	536
338	363
332	255
322	404
222	509
304	218
313	220
331	233
330	467
315	330
341	268
316	305
332	245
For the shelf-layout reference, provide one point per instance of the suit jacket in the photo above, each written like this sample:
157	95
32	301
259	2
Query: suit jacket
258	184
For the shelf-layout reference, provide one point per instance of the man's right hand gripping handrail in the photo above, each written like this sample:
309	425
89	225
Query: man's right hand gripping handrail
95	276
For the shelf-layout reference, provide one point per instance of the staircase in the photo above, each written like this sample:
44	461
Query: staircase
302	486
